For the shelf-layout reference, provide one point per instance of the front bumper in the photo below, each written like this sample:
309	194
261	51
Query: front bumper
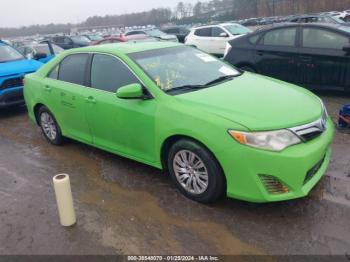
11	97
243	166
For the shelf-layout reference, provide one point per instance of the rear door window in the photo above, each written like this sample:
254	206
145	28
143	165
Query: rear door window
320	38
203	32
280	37
216	31
72	69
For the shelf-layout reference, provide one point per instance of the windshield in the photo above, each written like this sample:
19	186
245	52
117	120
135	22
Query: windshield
338	20
237	29
155	33
176	67
8	54
80	39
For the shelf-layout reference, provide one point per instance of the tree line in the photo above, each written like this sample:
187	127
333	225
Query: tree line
182	13
187	13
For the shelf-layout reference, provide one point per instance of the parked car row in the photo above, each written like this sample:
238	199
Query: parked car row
323	17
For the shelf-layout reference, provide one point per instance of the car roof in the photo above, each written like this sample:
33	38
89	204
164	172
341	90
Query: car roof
126	47
223	24
318	25
211	25
311	15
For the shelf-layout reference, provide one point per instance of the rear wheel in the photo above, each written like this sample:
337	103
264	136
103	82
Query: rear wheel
49	126
195	172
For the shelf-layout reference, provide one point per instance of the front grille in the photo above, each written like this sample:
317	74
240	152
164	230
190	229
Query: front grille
313	171
310	131
273	185
13	82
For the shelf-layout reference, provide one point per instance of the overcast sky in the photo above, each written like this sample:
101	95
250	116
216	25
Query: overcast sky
15	13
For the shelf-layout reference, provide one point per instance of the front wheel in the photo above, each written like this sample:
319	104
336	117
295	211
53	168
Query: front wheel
196	172
49	126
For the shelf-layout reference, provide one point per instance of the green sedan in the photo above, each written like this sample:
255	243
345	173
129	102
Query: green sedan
216	130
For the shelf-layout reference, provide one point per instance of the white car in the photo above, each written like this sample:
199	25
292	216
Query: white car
153	32
213	38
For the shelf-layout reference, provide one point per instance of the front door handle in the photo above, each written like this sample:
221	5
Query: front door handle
90	100
260	52
47	88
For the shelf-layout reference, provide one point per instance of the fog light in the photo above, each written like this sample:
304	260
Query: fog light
273	185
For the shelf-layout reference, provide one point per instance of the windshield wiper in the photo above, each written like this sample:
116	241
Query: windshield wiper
198	87
186	87
220	79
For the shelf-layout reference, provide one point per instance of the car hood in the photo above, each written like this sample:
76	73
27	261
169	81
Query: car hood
19	67
259	103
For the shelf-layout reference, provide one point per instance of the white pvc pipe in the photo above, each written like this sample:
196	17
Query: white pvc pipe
64	200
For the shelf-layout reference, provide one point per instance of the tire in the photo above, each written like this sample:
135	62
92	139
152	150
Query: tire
247	69
49	126
202	188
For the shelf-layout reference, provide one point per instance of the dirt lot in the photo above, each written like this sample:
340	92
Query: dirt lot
124	207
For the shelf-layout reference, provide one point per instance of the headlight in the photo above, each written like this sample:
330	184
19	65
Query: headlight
325	112
273	140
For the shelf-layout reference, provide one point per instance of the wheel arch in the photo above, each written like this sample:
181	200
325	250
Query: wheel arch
36	109
171	140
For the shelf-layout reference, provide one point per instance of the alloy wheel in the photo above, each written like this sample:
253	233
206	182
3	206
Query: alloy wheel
191	172
48	125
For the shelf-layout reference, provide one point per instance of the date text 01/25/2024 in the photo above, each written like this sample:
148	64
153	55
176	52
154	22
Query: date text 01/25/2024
173	258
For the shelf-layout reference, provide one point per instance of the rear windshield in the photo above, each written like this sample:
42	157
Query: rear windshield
237	29
80	39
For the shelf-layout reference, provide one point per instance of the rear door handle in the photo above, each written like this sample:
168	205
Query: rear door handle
90	100
260	52
305	58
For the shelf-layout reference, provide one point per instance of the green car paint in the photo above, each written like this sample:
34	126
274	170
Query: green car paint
140	129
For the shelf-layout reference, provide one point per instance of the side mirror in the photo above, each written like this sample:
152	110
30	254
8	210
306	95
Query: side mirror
223	34
132	91
346	48
38	56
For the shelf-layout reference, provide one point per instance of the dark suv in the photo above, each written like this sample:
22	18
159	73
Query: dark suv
316	56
